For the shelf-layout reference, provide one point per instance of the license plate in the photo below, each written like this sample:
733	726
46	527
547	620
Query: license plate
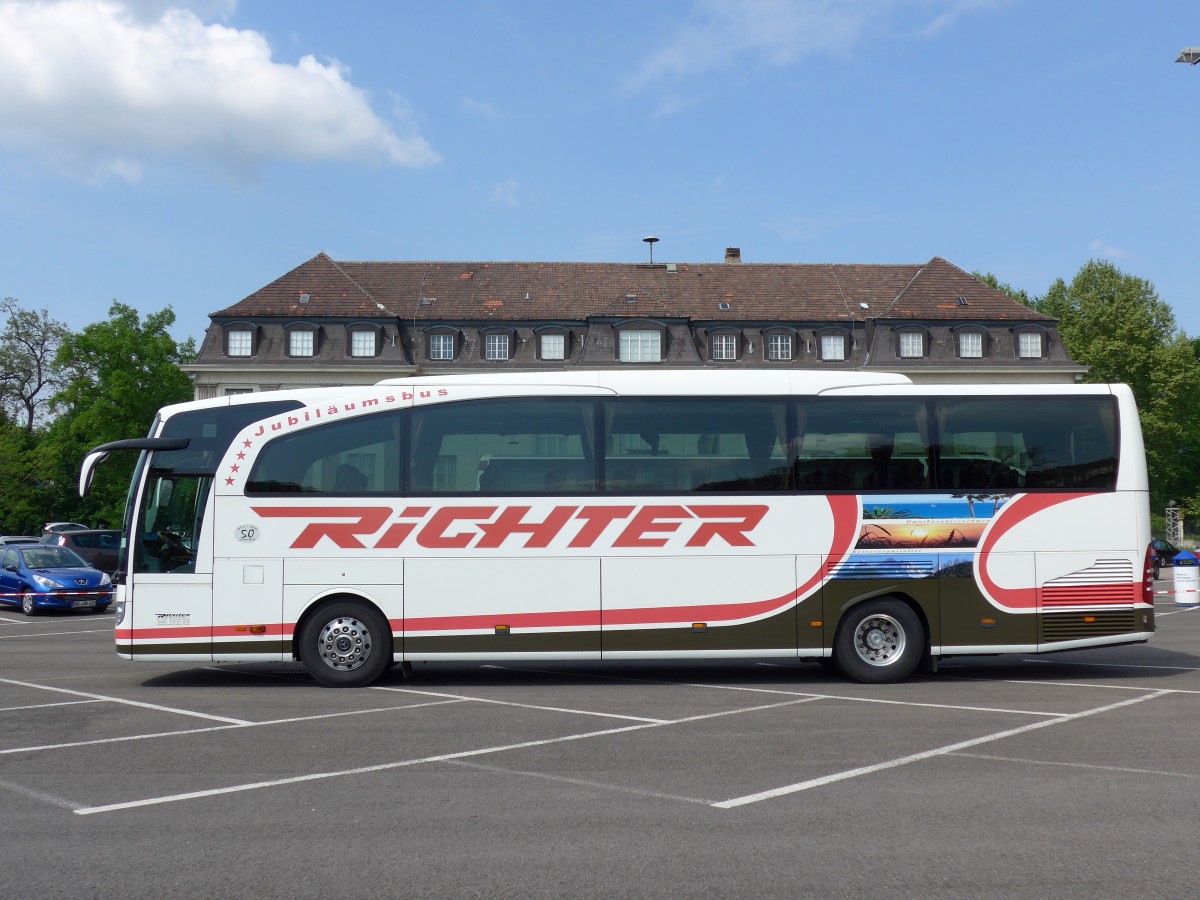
80	604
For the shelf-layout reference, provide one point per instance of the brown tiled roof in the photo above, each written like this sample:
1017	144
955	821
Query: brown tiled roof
478	291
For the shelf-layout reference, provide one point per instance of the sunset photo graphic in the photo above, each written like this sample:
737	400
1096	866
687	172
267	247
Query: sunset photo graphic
943	521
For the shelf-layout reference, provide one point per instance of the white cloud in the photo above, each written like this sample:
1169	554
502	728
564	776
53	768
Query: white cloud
781	32
1099	248
103	89
506	192
479	107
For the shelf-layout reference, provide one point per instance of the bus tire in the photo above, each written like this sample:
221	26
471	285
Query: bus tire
346	644
879	641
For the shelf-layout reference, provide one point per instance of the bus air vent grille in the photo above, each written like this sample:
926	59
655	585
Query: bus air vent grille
1075	626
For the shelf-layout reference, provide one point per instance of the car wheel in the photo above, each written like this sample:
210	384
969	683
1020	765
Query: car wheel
29	603
879	641
1157	570
346	644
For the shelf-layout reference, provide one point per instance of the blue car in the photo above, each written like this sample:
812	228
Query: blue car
40	576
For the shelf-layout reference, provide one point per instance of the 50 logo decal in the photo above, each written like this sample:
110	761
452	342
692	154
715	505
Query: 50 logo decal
490	527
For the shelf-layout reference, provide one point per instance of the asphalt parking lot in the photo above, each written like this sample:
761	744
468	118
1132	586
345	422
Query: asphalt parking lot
1066	775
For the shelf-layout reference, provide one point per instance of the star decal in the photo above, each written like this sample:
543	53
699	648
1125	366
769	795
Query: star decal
241	455
233	468
229	481
247	443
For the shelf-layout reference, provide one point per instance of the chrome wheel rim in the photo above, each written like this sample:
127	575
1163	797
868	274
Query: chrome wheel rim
27	604
344	644
879	640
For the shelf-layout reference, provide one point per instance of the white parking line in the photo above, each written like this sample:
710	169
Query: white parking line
159	734
41	796
154	706
342	773
13	637
927	754
786	693
577	712
580	782
1126	770
4	709
446	757
6	620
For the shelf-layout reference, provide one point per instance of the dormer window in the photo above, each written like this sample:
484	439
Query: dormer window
552	346
302	341
724	345
496	346
833	346
1030	345
441	345
970	345
364	342
778	343
912	343
640	343
239	342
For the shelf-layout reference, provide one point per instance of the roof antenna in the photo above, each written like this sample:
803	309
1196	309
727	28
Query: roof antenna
651	240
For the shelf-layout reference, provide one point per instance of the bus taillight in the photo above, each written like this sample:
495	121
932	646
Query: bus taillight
1148	576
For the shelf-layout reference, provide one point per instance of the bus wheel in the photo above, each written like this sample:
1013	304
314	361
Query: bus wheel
346	644
879	641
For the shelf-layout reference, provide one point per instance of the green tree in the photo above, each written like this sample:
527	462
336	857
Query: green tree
1117	325
119	372
28	374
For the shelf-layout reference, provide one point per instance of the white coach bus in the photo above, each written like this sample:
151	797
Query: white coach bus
617	515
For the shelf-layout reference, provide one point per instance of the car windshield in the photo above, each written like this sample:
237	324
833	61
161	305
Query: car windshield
53	558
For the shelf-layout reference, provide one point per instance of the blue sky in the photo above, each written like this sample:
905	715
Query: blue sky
188	154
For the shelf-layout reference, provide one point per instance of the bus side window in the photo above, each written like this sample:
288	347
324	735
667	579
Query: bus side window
508	445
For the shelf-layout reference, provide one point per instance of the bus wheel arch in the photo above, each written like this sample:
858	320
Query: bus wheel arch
344	640
880	640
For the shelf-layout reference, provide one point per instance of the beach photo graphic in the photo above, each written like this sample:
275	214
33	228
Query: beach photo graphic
903	522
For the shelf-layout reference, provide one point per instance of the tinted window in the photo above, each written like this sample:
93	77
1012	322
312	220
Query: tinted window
862	443
1027	442
349	457
692	444
210	431
525	446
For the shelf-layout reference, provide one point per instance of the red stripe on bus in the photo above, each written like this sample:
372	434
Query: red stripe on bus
1012	514
845	508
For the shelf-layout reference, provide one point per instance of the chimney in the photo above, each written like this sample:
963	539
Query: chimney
733	254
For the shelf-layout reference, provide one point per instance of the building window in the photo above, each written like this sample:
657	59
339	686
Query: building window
1029	345
495	346
779	346
441	346
723	346
833	346
638	345
240	342
970	344
553	346
362	342
912	344
301	343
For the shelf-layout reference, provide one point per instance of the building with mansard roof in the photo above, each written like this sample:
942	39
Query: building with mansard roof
330	322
